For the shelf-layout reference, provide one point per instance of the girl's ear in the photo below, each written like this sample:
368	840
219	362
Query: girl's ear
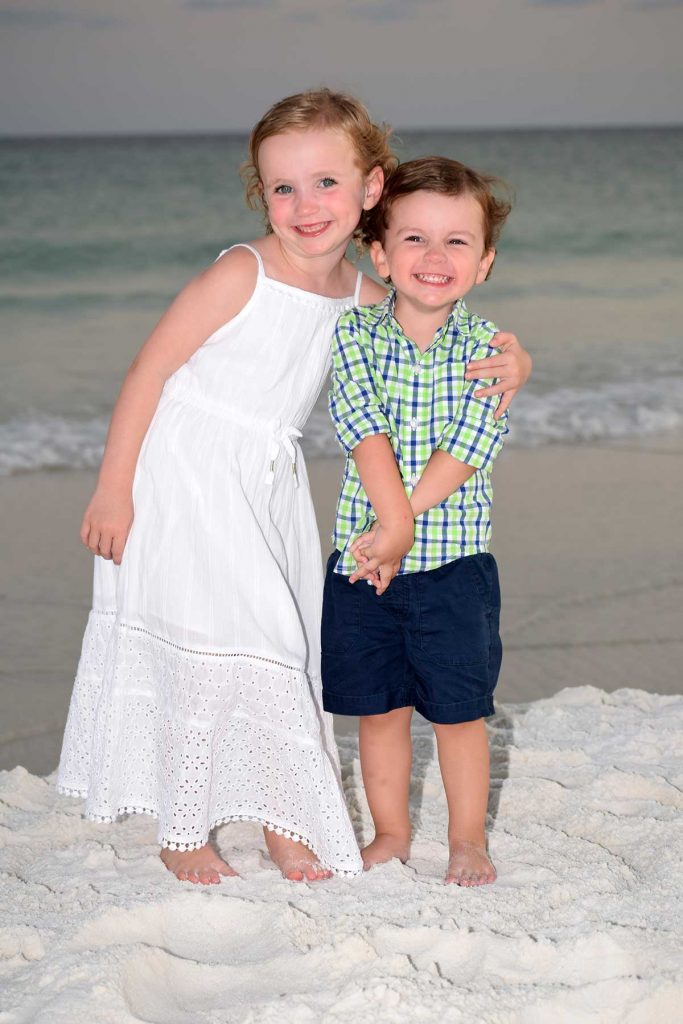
485	265
374	183
379	259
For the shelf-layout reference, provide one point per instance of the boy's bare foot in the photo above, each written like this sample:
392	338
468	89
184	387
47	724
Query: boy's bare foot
296	862
469	864
384	847
202	865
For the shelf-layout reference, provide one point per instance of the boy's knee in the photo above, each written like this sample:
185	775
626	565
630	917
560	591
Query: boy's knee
398	718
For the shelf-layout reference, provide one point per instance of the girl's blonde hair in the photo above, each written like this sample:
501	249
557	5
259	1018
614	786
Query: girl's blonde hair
319	108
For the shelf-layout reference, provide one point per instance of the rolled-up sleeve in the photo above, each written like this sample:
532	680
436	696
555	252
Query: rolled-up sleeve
473	436
356	408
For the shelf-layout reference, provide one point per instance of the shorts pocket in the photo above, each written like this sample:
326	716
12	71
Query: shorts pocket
341	611
455	627
483	572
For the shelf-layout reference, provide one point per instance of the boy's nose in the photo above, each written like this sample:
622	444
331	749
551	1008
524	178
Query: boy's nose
435	255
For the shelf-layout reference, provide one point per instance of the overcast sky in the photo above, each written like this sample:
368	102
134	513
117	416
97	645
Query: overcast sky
82	66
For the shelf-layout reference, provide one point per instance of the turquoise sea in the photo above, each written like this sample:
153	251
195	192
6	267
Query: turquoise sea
98	234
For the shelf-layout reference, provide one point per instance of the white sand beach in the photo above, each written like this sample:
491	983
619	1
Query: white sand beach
583	924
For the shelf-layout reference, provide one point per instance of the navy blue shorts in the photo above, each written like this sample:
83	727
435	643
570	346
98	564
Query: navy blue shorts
431	642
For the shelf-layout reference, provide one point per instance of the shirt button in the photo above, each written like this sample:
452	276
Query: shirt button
416	369
413	424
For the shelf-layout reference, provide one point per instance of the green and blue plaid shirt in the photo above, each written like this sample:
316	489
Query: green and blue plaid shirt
383	384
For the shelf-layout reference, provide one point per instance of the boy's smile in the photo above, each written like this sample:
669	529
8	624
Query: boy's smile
433	251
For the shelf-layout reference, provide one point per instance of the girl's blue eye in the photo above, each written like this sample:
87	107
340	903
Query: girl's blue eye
283	190
327	182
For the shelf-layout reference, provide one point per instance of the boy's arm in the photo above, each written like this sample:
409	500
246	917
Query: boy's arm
469	442
363	430
381	480
442	475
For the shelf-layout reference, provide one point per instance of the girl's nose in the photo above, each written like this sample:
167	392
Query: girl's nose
306	203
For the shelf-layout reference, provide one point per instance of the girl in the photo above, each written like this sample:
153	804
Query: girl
197	698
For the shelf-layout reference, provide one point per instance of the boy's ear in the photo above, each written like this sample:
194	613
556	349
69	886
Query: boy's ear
379	259
485	265
374	183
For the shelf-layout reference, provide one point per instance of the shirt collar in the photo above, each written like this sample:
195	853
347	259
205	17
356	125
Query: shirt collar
384	312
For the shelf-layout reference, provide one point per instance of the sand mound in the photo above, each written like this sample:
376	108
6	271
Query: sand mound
582	925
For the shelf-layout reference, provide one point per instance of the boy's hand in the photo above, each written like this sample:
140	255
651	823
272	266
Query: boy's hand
360	545
512	367
384	555
359	551
106	524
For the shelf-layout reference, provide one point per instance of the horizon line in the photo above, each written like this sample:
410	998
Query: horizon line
412	129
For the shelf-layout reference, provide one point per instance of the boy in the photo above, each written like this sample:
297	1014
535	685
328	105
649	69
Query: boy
415	508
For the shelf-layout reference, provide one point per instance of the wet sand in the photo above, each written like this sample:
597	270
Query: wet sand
589	557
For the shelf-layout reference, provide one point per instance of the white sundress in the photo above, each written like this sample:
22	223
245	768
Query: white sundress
198	694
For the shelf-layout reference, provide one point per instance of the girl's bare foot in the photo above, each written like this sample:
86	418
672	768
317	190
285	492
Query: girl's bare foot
295	861
384	847
469	864
202	865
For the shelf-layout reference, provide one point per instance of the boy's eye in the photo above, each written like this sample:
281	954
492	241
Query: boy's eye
457	241
327	182
283	190
413	238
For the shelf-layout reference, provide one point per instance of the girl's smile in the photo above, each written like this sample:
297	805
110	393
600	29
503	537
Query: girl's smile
315	190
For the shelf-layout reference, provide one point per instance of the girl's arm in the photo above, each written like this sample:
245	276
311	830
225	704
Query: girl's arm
205	304
512	367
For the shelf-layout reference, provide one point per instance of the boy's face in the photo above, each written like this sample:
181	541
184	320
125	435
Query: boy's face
433	249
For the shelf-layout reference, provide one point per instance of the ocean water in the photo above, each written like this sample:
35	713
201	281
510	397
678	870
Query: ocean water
97	235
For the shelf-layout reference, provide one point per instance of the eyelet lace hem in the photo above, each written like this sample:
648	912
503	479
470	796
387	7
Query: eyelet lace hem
172	844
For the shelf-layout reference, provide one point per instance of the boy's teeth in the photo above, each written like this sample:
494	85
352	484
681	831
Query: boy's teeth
433	278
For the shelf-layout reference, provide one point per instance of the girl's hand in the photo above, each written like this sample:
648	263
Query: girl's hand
512	367
106	524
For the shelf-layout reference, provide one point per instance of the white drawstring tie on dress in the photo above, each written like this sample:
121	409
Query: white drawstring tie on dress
282	437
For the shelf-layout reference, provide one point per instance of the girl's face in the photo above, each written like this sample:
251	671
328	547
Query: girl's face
315	190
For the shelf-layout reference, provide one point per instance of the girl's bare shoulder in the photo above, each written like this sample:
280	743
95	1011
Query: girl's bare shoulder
229	282
371	291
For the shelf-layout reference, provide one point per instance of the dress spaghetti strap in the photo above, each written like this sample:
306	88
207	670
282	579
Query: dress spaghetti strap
356	294
245	245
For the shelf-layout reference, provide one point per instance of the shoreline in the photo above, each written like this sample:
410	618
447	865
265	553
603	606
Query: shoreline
583	536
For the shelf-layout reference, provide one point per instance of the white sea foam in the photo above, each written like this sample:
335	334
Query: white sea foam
608	412
582	925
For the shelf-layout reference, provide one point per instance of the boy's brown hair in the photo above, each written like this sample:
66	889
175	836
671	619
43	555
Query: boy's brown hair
447	178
